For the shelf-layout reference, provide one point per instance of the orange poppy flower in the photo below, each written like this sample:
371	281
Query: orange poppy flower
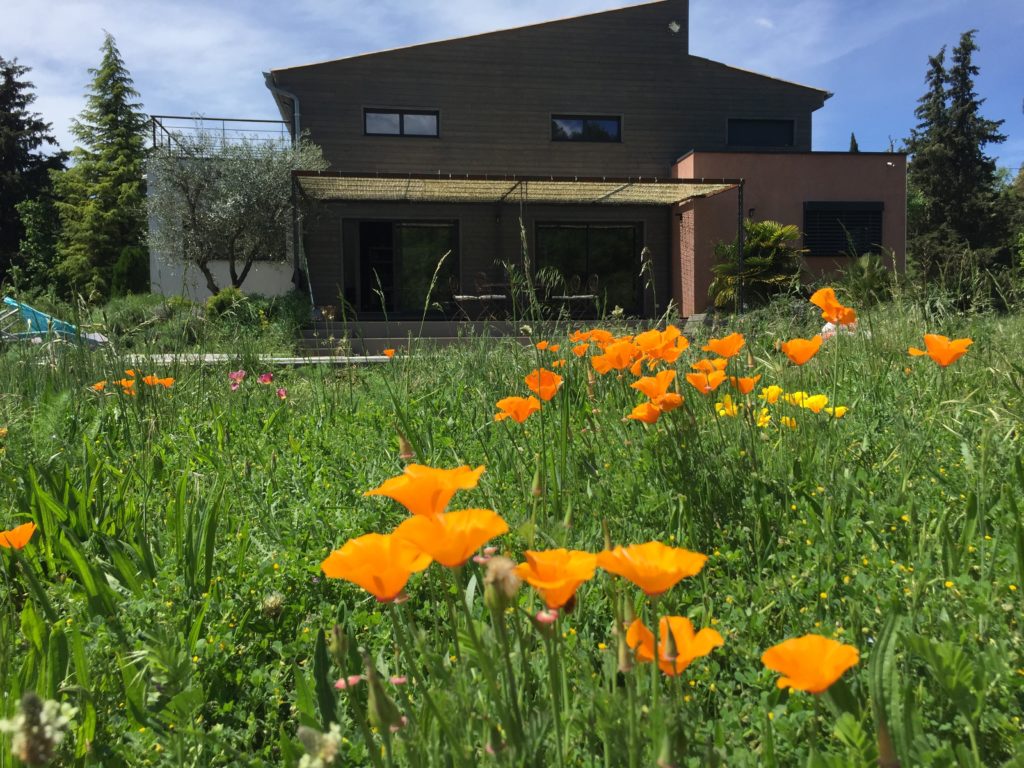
787	421
166	383
706	382
771	394
580	349
129	372
560	363
664	345
379	564
557	573
831	310
799	351
745	384
99	386
689	645
710	365
425	490
810	663
647	412
516	408
451	538
543	383
388	353
838	412
941	349
617	356
150	380
17	538
653	567
596	335
725	347
656	389
545	345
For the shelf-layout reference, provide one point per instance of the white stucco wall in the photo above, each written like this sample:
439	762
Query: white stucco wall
172	277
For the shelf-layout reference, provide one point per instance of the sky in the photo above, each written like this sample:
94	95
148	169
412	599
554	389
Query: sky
206	56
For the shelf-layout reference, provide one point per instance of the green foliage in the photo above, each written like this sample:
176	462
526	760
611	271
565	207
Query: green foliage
24	163
212	200
868	278
949	170
34	266
100	199
224	301
131	272
771	265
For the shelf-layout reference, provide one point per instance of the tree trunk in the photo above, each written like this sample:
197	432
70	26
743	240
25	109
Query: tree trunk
244	273
211	284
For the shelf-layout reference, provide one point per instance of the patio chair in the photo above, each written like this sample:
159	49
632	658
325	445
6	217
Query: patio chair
38	327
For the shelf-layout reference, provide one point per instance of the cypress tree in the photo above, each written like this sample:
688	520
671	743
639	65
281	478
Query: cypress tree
953	184
24	166
854	146
101	199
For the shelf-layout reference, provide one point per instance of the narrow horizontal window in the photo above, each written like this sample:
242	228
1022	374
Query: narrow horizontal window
760	133
403	122
842	229
585	128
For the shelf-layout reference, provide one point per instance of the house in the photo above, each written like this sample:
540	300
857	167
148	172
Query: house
597	147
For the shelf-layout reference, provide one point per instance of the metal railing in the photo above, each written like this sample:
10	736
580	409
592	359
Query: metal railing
167	131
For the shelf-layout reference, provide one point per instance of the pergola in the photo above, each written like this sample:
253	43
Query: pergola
454	188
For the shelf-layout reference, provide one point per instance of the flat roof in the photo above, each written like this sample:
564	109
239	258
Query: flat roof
466	188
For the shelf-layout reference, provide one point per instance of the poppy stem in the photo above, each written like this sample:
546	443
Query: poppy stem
556	709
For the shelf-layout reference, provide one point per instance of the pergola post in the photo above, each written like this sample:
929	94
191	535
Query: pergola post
740	247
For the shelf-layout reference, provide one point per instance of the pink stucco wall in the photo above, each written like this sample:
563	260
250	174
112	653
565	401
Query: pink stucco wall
776	186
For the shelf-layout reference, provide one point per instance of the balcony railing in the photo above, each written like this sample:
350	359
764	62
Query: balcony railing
168	131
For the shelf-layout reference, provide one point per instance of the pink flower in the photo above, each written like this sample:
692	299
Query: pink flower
236	378
282	393
402	722
398	679
347	682
265	378
547	616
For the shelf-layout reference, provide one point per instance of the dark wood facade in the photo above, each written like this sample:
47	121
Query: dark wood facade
495	95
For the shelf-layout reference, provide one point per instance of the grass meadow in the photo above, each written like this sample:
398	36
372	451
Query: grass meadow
172	591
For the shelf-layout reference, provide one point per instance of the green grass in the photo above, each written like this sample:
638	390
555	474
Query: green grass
173	591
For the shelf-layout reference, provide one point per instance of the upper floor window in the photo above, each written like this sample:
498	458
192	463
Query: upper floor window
400	122
586	128
760	133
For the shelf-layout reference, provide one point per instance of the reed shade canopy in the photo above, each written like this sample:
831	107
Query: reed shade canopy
328	186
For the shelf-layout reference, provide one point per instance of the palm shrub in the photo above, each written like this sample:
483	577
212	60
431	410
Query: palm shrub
771	265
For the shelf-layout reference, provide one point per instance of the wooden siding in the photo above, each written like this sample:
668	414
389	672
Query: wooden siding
496	93
489	235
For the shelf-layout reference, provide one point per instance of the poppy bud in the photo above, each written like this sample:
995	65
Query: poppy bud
337	644
501	583
537	488
673	743
671	649
624	652
382	710
405	451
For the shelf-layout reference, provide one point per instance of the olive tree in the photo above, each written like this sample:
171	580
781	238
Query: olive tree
213	200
